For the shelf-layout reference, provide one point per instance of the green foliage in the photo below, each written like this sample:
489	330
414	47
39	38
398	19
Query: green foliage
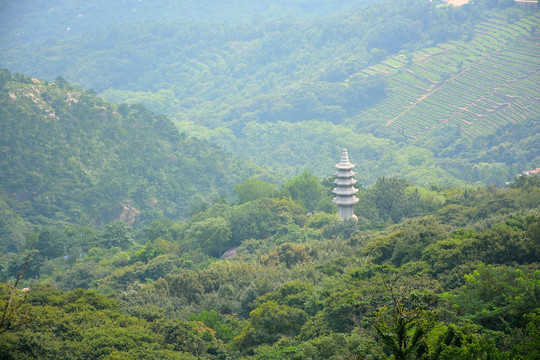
15	264
262	218
402	333
253	189
295	294
12	304
186	285
390	200
290	254
82	275
154	248
300	287
13	229
499	297
211	234
80	325
309	290
366	73
50	243
305	190
191	337
163	228
525	181
116	234
82	161
466	342
268	323
403	325
416	235
320	220
407	244
216	322
528	348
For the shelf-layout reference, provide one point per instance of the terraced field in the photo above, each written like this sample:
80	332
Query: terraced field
477	85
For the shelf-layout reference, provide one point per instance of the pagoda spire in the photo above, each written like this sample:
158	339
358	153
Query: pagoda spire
345	189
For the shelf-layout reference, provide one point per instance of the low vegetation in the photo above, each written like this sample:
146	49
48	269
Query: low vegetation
424	273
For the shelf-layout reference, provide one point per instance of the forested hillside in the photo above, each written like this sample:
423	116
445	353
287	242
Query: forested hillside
476	86
386	79
50	20
424	274
69	156
177	202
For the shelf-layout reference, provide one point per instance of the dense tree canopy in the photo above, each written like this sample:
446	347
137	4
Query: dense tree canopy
458	279
124	238
70	156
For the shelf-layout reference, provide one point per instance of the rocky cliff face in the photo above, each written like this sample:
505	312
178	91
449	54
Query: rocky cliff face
129	214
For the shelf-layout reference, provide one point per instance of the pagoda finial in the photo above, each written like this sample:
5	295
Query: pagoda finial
344	163
344	157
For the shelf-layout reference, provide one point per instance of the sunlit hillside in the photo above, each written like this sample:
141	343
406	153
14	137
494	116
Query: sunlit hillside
407	87
476	85
168	183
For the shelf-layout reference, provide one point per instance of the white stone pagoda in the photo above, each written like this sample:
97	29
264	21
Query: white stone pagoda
345	189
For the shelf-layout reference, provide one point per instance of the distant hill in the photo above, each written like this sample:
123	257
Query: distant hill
437	94
49	20
464	109
67	155
476	85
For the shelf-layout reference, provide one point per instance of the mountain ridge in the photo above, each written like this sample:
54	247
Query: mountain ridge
68	154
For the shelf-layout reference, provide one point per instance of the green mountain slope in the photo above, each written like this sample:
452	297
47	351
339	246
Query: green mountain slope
31	21
408	87
459	281
476	85
187	51
463	110
68	155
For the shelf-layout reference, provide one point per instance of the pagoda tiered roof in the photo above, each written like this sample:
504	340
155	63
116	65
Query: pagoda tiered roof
345	200
345	182
345	164
345	173
345	191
